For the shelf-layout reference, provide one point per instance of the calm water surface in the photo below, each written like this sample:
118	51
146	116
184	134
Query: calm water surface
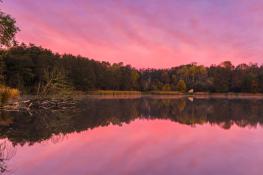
141	136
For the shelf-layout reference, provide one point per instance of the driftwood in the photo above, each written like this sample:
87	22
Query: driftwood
40	104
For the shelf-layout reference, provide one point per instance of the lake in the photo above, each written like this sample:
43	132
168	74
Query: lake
136	136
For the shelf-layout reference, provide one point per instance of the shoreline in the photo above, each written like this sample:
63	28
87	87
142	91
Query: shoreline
137	94
171	94
112	92
32	103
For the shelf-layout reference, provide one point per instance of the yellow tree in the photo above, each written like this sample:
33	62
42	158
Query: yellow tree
181	86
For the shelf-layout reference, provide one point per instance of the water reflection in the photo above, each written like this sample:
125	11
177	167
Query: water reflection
154	142
7	152
21	128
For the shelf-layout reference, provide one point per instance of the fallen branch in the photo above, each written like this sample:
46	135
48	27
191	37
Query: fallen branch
40	104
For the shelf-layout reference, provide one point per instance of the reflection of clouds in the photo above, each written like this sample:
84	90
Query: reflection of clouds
144	147
98	112
7	152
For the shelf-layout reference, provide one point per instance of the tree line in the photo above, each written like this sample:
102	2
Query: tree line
34	69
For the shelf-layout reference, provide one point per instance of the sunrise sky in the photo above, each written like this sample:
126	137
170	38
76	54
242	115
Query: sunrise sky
145	33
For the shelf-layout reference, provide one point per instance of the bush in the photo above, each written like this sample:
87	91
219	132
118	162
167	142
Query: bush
166	87
7	94
181	86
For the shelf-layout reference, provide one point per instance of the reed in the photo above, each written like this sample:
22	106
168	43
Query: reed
7	94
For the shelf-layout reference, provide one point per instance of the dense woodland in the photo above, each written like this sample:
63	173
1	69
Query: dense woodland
34	70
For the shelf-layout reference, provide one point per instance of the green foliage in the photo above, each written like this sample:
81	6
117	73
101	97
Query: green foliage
8	29
35	70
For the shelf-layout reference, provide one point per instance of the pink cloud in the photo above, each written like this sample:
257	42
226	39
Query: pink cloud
144	34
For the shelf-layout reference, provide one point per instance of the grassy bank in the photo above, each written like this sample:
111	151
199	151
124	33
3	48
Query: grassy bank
110	92
228	95
174	93
7	94
164	93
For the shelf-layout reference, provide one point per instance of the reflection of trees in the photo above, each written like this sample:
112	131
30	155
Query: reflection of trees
22	128
57	138
7	151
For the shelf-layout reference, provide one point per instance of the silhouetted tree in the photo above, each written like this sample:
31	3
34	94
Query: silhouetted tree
26	67
8	29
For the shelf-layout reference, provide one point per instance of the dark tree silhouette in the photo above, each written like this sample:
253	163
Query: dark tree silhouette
28	67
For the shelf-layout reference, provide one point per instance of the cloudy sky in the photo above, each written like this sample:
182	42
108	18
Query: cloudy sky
145	33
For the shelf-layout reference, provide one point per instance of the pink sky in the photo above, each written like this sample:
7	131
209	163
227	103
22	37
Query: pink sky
145	33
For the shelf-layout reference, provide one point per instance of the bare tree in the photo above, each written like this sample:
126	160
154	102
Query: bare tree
54	79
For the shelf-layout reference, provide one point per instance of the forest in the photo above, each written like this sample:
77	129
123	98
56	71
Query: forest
36	70
33	69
